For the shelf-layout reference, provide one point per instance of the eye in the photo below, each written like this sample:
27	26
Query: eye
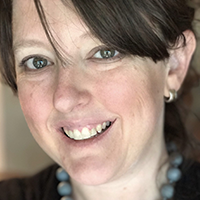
106	53
36	62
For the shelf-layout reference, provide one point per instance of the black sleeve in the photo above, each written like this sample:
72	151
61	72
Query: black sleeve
42	186
12	189
188	188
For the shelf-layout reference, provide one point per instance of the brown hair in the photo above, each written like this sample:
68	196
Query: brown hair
145	28
7	68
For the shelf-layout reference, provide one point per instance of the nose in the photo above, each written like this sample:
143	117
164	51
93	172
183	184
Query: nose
70	92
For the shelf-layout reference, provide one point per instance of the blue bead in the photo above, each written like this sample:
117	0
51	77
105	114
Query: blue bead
61	174
176	159
66	198
64	188
173	174
167	191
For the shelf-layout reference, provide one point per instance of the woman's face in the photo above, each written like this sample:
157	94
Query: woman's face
126	92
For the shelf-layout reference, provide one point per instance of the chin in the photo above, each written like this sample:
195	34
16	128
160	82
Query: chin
91	173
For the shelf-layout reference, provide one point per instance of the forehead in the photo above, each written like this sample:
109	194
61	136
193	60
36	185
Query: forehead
27	24
54	9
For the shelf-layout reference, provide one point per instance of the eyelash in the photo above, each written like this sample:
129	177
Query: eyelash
106	50
112	56
24	62
115	57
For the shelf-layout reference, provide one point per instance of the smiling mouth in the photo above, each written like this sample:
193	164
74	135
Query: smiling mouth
85	133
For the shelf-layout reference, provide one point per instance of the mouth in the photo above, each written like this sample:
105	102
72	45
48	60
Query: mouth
86	133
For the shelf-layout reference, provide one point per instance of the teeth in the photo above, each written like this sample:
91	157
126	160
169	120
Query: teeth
70	134
108	123
86	133
104	125
99	128
77	135
93	132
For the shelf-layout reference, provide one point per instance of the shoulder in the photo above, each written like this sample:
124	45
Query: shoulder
12	189
37	187
188	188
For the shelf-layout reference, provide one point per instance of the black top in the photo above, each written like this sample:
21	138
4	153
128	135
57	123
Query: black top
43	186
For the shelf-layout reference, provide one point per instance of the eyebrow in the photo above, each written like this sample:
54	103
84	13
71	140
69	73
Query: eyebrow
27	43
36	43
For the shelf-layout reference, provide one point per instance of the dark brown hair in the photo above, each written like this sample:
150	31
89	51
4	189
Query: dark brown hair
7	68
145	28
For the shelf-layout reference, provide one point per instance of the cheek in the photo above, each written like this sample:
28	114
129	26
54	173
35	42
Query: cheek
35	103
128	93
137	101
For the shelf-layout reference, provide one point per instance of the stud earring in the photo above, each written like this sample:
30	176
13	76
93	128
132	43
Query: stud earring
172	96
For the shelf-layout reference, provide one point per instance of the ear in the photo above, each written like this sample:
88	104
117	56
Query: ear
178	63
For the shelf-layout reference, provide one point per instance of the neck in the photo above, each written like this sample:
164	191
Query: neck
141	181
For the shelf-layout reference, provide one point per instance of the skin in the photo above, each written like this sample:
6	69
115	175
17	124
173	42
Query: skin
86	91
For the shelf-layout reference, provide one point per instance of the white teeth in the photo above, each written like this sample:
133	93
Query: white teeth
104	125
77	135
99	128
70	134
93	132
86	133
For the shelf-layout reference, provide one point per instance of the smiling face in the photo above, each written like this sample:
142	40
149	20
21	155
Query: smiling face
97	90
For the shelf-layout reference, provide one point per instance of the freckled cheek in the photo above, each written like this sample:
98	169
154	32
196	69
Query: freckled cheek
35	103
129	95
117	95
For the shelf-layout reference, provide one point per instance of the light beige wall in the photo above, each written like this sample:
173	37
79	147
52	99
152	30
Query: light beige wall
21	153
2	139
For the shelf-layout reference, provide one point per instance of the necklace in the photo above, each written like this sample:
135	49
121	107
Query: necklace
173	174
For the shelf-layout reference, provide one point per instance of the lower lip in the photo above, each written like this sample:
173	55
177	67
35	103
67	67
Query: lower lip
87	142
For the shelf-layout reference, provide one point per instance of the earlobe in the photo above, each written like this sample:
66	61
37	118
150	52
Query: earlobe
178	62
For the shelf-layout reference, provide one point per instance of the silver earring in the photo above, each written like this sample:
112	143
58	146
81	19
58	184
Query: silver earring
172	96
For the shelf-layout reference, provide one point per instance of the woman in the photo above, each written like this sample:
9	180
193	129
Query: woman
92	78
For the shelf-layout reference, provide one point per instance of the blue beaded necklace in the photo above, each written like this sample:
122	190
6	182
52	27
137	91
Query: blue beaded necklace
167	190
64	188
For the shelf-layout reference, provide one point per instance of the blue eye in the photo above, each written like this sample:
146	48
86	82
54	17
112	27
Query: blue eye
106	53
36	62
39	62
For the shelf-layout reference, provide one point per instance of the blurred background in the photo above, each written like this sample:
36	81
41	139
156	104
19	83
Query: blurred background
19	153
